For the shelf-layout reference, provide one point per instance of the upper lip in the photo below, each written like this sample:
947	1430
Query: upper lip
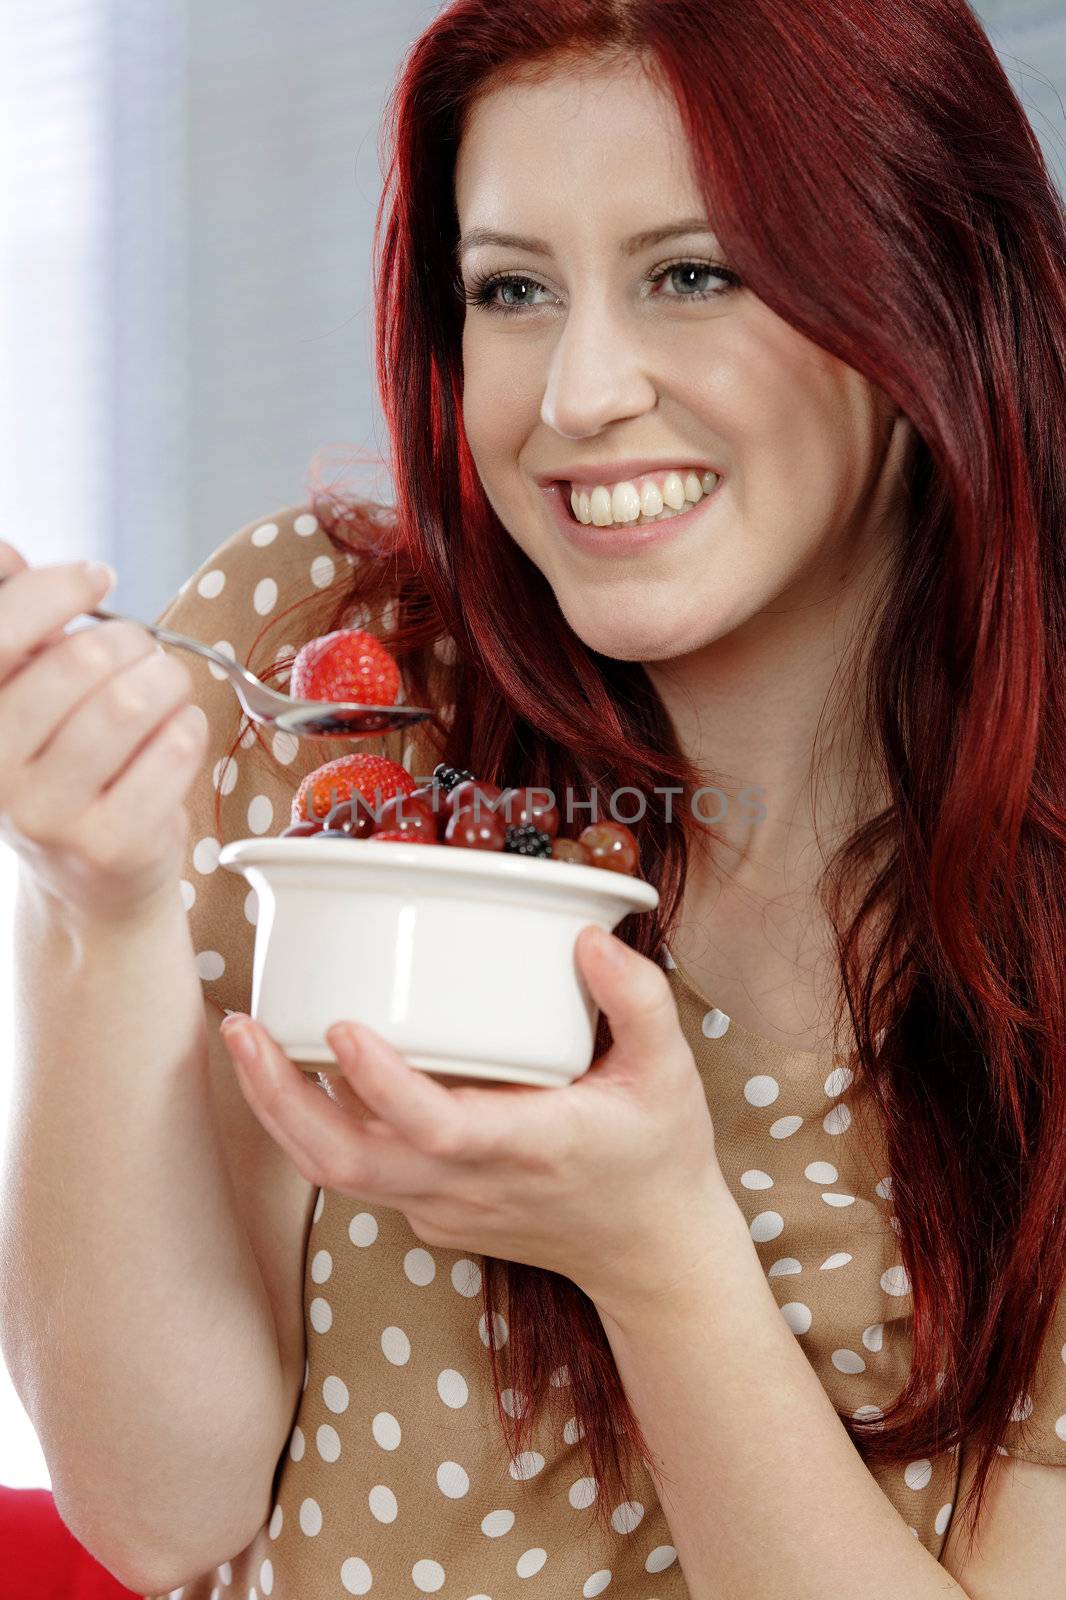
614	471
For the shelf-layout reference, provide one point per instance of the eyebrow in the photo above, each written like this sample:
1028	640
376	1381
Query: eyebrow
540	247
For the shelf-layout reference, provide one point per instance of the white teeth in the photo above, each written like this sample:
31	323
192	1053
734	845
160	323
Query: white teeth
625	503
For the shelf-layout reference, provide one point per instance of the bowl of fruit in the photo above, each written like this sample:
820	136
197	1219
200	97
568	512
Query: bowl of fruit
443	915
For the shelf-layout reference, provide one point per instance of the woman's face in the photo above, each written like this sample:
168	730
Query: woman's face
611	357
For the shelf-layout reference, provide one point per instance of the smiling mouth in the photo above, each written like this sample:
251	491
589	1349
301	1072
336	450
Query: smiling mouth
601	502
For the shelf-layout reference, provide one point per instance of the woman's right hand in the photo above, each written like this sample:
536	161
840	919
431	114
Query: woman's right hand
99	742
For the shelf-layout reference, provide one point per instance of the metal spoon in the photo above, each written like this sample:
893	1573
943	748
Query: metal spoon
307	719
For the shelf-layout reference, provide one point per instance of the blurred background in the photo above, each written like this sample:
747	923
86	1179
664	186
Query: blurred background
187	198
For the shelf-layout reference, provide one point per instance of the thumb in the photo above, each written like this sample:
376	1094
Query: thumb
633	992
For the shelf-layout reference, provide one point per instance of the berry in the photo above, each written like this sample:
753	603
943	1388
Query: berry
527	841
300	830
407	819
571	850
473	792
475	828
352	816
347	664
373	778
532	808
448	777
611	845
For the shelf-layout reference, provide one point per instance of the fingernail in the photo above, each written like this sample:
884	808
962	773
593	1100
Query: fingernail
612	950
97	571
241	1040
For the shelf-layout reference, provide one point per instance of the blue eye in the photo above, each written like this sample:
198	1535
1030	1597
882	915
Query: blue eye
482	290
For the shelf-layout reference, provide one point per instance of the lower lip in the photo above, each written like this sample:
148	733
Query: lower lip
618	541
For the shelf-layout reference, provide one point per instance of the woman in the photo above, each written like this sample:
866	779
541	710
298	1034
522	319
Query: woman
608	1358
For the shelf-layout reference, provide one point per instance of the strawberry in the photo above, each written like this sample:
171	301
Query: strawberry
376	778
347	664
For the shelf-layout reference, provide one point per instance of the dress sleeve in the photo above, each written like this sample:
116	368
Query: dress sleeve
228	602
1038	1429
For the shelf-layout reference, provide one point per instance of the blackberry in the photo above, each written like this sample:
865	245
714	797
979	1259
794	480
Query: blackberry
527	840
447	777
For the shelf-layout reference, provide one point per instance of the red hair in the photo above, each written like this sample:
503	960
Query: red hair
874	180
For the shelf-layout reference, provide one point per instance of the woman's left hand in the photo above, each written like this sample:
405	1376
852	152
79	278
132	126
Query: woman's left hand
612	1180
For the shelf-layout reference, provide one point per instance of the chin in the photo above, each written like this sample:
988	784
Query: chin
627	635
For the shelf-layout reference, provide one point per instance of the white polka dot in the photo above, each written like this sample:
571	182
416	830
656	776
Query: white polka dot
573	1431
452	1480
210	965
382	1503
319	1205
767	1225
761	1090
265	534
821	1172
755	1179
862	1413
205	855
265	596
668	961
285	746
466	1278
787	1267
1023	1408
445	650
224	775
840	1259
297	1444
838	1080
396	1346
420	1267
328	1441
943	1517
452	1388
627	1516
427	1576
582	1493
848	1361
785	1127
224	648
526	1465
225	1572
321	1265
884	1189
266	1576
251	907
211	584
311	1517
386	1430
356	1576
530	1562
335	1394
560	1377
838	1120
500	1330
497	1523
917	1473
895	1281
839	1199
321	1314
714	1023
389	613
596	1584
323	569
277	1519
513	1402
797	1315
663	1556
188	894
260	814
363	1229
1060	1426
304	524
873	1337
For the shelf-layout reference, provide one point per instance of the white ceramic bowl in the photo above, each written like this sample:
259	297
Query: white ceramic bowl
462	959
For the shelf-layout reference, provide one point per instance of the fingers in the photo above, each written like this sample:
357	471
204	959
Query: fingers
408	1099
35	602
632	992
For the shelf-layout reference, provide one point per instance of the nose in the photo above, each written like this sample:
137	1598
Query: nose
596	376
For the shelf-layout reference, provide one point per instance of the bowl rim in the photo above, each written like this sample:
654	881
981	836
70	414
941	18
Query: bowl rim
445	860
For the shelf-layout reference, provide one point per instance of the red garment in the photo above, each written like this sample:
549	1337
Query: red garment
40	1559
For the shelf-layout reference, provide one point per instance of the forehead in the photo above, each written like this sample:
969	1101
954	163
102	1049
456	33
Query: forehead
603	139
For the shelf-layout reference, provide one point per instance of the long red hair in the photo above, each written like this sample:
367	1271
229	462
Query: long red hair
874	180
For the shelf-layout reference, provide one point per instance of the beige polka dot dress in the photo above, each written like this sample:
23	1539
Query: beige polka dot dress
395	1480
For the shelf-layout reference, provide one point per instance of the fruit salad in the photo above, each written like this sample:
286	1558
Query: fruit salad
368	798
